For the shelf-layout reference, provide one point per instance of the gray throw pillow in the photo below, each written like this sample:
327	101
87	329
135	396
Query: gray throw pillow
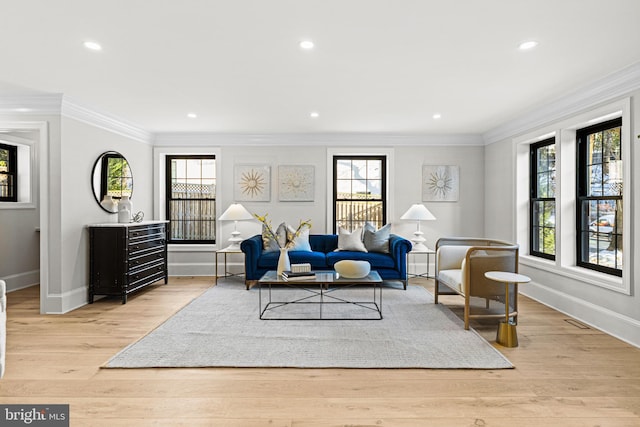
348	241
377	241
274	243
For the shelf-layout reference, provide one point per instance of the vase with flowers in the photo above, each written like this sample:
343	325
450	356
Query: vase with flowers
284	263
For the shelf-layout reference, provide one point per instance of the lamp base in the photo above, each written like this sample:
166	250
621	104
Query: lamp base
419	247
418	242
234	241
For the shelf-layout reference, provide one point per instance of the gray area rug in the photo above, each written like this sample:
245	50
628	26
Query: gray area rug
221	328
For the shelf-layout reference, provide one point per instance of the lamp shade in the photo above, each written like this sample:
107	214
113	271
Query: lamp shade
235	212
418	212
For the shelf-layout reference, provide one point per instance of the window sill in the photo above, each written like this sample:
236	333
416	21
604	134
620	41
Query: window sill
585	275
17	205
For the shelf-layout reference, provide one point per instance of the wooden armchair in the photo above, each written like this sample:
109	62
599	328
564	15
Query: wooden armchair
460	266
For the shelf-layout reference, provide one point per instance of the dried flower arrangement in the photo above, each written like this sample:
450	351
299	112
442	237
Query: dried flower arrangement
290	236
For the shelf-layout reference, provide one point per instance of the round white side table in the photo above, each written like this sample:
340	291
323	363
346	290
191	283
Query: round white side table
507	335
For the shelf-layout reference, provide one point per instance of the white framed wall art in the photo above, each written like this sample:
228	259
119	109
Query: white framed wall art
252	183
296	183
440	183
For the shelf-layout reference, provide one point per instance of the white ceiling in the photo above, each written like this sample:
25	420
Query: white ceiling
378	65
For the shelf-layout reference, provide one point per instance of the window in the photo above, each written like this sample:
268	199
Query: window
116	178
191	198
599	197
359	191
542	201
8	173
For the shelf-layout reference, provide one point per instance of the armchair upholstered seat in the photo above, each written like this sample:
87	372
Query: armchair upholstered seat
460	266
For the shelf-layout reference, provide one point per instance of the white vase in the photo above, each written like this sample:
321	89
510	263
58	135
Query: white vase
125	207
284	264
109	204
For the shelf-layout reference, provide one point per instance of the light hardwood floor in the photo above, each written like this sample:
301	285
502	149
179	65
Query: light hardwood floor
566	375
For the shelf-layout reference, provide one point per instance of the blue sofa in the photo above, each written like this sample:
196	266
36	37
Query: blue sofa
391	266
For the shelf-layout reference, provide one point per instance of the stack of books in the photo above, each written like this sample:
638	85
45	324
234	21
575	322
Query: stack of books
303	275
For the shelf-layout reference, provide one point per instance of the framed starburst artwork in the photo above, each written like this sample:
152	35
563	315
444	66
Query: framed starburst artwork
252	183
296	183
440	183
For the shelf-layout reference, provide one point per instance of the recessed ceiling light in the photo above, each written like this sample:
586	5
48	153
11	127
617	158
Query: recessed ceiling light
192	115
528	45
437	116
306	44
22	110
92	45
314	114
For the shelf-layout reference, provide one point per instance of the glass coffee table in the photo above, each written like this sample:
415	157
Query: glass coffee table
325	296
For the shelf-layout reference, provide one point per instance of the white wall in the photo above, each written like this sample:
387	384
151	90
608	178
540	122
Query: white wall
19	222
73	205
465	217
583	295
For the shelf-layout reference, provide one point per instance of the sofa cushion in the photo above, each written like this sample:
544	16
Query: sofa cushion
451	278
269	260
350	241
376	260
376	241
450	257
316	259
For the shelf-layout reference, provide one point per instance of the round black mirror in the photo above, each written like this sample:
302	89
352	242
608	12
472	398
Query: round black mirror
111	180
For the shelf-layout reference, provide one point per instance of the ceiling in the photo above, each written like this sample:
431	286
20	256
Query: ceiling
377	65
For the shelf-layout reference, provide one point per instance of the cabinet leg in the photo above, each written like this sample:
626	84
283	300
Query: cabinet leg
124	298
90	298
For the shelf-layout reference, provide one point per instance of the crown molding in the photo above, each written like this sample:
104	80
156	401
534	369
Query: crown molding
606	89
31	104
74	110
313	139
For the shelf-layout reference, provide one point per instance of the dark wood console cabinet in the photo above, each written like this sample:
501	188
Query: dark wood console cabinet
124	258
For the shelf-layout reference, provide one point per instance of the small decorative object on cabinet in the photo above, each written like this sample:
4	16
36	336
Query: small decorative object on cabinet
124	258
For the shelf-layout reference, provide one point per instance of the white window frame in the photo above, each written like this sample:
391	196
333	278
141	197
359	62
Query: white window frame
566	201
27	169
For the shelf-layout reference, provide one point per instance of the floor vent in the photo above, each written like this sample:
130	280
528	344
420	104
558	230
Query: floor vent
577	324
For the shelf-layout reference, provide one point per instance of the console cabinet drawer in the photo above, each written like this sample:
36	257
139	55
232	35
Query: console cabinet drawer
124	258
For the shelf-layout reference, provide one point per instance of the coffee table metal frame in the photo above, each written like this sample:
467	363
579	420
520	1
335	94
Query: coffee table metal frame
324	285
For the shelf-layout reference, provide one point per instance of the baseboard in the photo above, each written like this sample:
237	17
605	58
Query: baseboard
22	280
199	269
615	324
66	301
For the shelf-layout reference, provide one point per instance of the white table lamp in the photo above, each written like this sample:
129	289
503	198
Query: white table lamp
418	212
235	212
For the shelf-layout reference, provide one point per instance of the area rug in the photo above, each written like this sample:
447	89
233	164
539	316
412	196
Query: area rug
221	328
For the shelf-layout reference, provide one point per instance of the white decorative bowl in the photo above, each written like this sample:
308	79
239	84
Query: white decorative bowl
352	269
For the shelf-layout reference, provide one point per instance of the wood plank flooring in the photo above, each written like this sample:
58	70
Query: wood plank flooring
566	375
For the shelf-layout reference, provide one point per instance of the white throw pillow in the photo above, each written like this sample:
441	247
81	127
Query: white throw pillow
300	242
348	241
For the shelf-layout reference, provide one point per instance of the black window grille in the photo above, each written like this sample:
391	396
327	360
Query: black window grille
191	198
